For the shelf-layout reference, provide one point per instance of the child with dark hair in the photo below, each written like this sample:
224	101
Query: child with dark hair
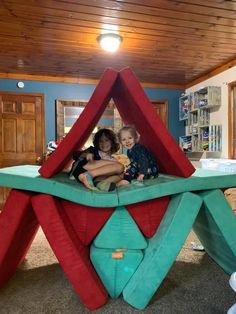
95	167
142	163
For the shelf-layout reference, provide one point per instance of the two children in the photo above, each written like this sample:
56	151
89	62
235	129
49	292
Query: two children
96	168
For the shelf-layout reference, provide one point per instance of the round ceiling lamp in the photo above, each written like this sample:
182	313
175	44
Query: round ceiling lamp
110	42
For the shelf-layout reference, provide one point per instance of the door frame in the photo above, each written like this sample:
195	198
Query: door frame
61	103
43	113
163	102
3	190
231	121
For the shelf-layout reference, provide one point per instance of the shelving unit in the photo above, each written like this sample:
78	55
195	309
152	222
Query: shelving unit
201	135
185	103
183	107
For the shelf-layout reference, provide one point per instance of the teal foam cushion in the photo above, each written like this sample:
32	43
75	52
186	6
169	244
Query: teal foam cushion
120	231
27	178
215	227
162	249
115	267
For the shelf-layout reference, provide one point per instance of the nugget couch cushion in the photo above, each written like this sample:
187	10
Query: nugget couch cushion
134	108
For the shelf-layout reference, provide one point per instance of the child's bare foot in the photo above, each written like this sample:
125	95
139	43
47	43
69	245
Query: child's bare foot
122	183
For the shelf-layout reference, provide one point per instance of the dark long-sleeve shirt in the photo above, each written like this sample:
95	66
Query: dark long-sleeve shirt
142	159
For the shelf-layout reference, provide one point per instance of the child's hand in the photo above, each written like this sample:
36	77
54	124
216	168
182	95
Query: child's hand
89	157
140	177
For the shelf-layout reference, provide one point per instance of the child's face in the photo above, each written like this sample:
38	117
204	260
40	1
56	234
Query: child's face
127	140
105	144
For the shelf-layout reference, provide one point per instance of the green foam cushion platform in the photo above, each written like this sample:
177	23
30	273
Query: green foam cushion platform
115	267
162	249
215	227
27	178
202	179
120	231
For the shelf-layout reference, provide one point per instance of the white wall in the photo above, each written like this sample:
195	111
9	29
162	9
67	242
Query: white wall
221	115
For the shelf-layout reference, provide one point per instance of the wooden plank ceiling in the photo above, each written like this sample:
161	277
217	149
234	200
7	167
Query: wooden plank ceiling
165	42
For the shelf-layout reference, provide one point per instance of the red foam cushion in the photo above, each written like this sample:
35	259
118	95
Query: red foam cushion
18	227
135	108
83	127
87	221
148	214
72	255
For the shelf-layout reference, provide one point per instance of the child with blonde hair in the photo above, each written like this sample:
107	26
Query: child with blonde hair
142	162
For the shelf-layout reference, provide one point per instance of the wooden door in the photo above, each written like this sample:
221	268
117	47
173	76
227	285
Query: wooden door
232	120
233	116
161	107
22	138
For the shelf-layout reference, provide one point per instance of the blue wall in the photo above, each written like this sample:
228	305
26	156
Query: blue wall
75	91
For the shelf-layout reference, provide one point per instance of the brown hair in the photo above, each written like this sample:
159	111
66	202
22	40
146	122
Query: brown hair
131	129
109	134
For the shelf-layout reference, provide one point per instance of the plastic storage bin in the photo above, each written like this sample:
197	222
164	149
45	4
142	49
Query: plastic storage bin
224	165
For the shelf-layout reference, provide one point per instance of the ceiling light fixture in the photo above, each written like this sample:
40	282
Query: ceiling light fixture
20	63
109	42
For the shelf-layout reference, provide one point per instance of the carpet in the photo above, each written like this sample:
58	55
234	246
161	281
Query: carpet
195	284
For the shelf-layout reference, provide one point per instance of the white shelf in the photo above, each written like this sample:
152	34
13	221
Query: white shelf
201	135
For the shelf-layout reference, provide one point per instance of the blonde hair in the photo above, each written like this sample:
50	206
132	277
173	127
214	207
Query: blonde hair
132	130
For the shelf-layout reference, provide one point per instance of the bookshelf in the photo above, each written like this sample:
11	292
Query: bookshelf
201	135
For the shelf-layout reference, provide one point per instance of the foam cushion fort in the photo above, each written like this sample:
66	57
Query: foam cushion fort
162	249
135	108
149	214
27	178
83	127
71	254
215	227
115	267
86	220
18	226
120	231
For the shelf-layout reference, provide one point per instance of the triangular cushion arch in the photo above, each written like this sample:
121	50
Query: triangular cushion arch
134	108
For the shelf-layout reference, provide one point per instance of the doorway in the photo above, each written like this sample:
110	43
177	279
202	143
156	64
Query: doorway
232	121
22	136
161	107
68	111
